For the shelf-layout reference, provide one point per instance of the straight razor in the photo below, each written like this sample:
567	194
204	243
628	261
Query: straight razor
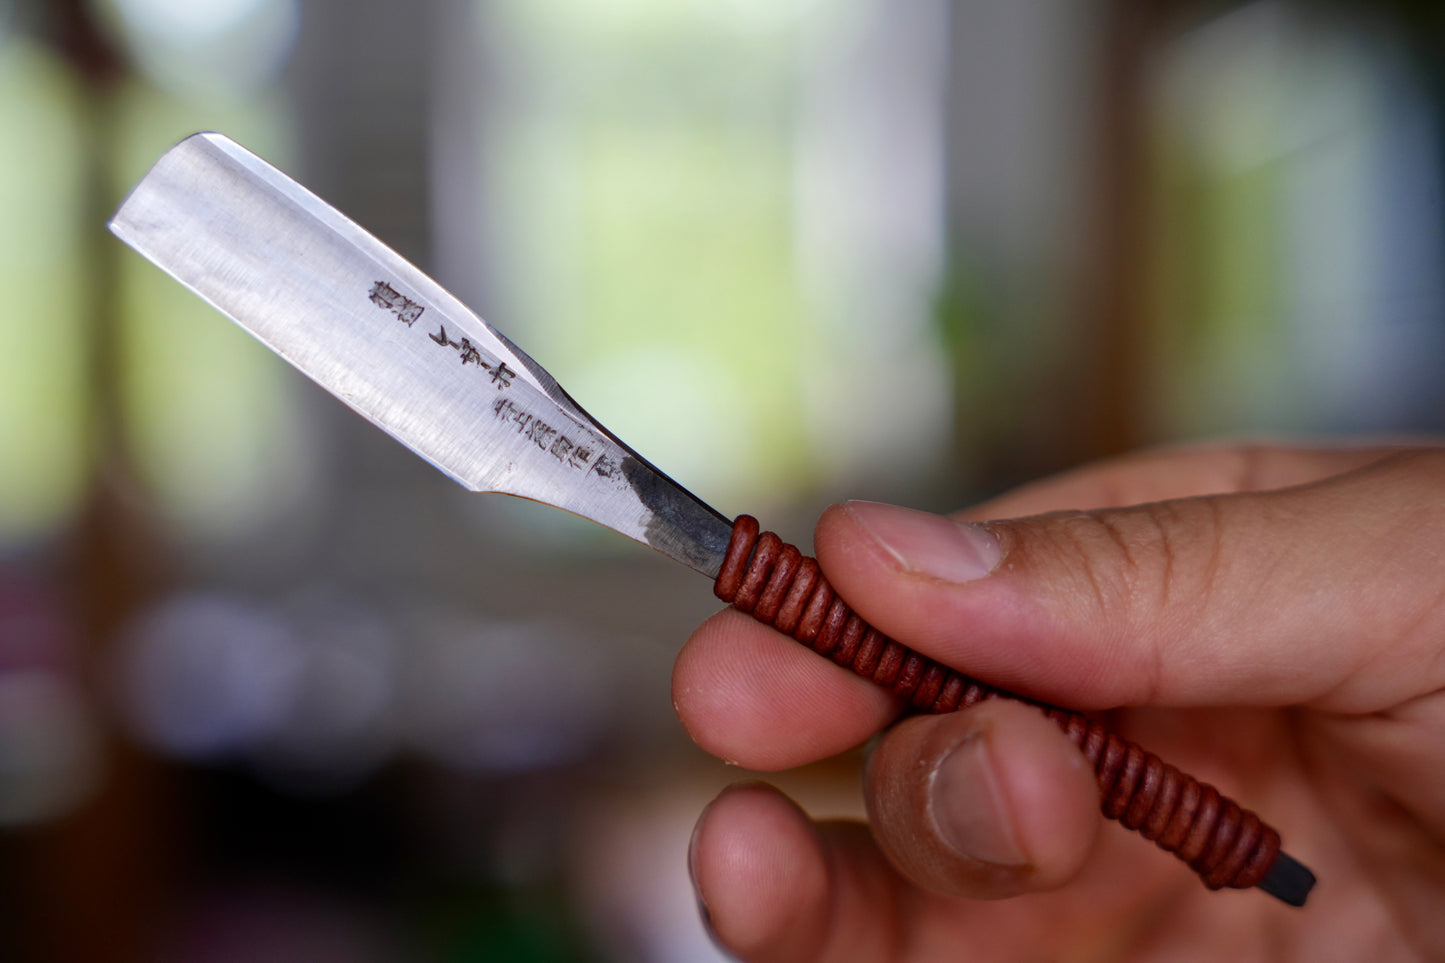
391	343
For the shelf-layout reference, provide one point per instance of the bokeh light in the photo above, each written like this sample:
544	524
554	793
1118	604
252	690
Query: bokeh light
207	677
507	697
44	352
220	46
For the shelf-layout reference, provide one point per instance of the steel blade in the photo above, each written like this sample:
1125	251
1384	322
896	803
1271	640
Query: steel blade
392	344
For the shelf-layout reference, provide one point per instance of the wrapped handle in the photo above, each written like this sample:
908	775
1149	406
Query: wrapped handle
1227	845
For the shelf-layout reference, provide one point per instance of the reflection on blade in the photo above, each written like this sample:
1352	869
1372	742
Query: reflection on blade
391	343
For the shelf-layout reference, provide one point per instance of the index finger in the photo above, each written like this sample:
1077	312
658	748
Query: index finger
748	694
1182	471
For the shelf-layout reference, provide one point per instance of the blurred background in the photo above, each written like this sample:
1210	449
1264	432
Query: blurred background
272	688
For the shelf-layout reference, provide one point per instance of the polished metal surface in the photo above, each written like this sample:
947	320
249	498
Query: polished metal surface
392	344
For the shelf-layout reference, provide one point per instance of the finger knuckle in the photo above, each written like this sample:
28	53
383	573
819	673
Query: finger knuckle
1138	564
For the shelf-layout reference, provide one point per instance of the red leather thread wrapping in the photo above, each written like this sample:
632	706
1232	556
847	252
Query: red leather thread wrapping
1227	845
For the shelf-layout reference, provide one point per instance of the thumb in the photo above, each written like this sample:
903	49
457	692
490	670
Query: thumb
1325	594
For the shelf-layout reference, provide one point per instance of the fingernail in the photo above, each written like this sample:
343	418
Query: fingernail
929	544
704	914
968	806
692	855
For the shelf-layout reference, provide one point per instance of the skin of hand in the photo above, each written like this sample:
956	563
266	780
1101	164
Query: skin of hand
1272	617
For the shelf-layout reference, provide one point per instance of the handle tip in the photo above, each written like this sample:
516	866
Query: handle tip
1288	880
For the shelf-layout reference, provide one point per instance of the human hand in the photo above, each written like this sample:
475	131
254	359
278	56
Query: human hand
1276	617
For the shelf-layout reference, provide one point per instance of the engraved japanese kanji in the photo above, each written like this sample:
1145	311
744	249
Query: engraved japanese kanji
383	295
501	375
571	453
